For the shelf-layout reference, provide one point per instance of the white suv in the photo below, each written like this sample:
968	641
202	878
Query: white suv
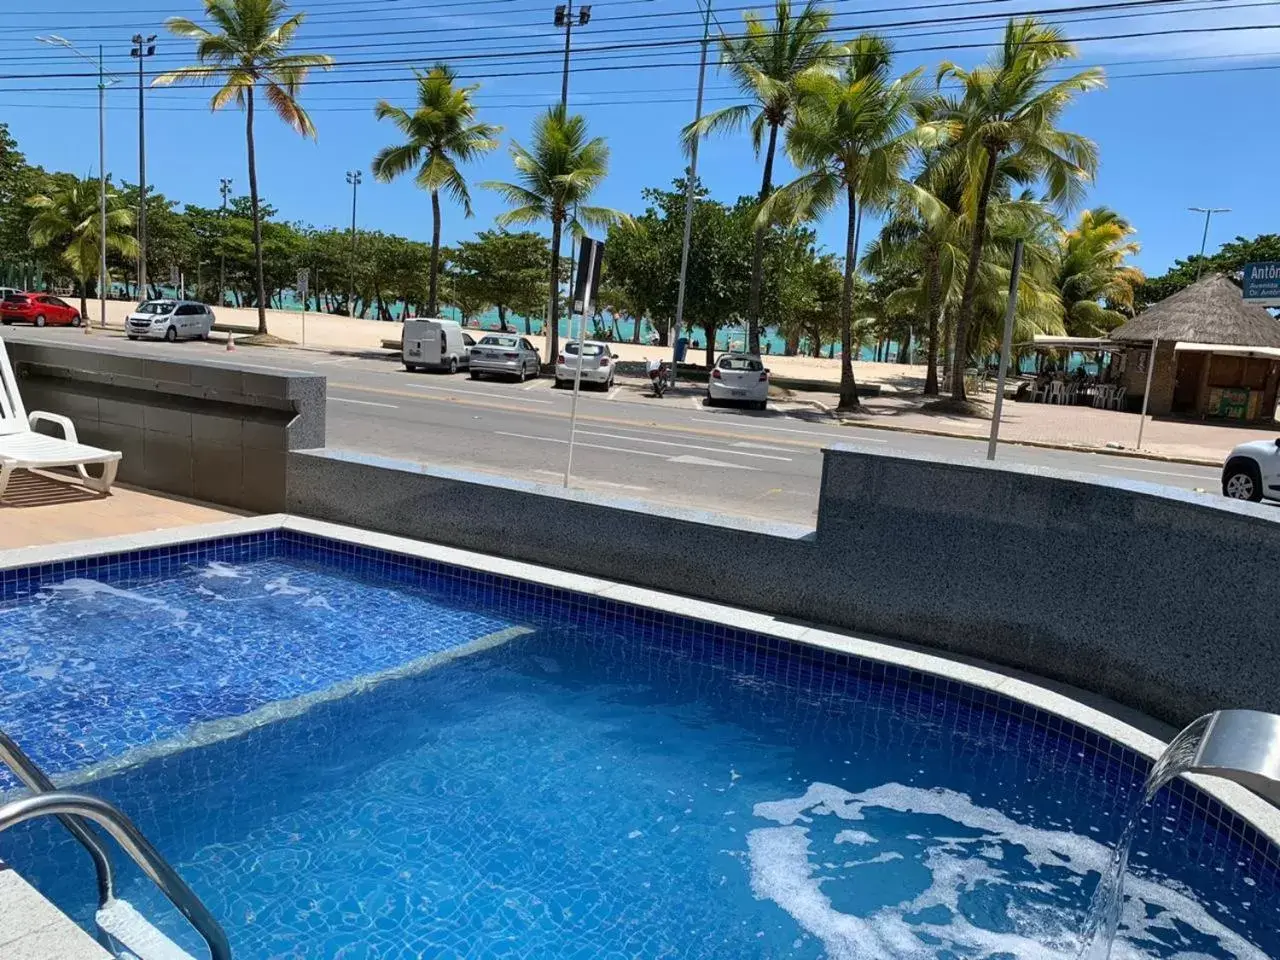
169	320
1252	471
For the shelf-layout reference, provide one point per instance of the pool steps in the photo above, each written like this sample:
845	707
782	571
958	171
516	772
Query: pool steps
131	931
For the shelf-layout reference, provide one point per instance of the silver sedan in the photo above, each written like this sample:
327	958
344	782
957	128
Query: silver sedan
505	354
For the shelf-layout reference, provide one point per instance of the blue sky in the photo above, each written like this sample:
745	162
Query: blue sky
1205	138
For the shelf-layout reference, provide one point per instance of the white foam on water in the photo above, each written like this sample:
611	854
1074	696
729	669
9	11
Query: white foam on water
281	586
215	569
782	871
85	589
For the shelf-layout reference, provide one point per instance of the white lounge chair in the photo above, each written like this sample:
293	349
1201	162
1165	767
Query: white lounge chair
22	448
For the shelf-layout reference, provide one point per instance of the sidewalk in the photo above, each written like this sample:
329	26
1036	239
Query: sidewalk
1071	428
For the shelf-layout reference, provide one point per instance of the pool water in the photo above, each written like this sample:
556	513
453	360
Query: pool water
562	788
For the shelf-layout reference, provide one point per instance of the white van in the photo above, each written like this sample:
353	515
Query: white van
436	345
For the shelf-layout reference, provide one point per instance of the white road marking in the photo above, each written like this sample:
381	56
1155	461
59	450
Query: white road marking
613	393
559	475
706	462
472	393
687	446
330	363
697	461
696	402
820	435
1159	473
365	403
535	384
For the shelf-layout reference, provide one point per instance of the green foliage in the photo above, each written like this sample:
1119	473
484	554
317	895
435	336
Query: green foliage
1230	259
499	269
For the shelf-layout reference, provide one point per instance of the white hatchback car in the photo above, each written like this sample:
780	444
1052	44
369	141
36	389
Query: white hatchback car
1252	471
169	320
740	378
597	364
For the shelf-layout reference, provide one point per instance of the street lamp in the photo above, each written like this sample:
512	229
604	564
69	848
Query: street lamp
1155	344
353	178
224	186
54	40
143	47
564	19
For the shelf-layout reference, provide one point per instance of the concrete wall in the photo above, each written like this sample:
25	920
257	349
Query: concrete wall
201	430
1161	600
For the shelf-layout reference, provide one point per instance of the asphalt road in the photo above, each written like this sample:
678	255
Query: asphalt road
673	450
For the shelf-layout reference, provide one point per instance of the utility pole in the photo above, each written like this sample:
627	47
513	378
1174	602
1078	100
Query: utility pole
564	19
688	199
224	186
353	178
142	48
1155	344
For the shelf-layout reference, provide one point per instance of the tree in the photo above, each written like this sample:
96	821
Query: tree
767	62
557	177
69	220
1096	287
635	269
249	50
1230	259
503	270
1011	105
442	132
854	135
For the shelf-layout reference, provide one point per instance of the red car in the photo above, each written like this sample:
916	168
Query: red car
38	308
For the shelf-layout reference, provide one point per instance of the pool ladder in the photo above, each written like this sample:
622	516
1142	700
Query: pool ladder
119	924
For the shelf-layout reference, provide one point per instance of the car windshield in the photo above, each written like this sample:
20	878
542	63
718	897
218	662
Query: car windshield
588	349
499	342
741	363
155	306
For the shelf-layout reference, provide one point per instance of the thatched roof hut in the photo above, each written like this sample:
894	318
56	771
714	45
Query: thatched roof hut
1212	310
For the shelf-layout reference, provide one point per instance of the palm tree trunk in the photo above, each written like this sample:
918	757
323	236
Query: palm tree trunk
84	302
757	249
432	305
959	359
711	345
932	296
848	385
904	348
637	322
553	317
257	218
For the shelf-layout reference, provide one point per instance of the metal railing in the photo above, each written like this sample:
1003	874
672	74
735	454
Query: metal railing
71	808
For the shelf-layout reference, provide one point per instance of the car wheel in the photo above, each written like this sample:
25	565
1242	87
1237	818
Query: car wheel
709	400
411	368
171	334
75	321
132	337
39	321
761	404
6	321
1242	481
453	364
474	375
559	384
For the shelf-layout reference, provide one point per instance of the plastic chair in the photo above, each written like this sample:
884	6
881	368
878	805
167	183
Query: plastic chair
1117	398
1057	392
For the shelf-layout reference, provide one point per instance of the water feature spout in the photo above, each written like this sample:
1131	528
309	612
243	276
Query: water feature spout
1238	745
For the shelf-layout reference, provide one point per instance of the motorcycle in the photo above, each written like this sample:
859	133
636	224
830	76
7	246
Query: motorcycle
658	376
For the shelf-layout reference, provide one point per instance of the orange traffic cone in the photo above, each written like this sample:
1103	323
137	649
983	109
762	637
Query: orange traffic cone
231	342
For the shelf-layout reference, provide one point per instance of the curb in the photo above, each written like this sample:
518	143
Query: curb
1042	444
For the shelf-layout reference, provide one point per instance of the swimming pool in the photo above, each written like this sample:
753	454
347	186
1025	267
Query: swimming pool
350	753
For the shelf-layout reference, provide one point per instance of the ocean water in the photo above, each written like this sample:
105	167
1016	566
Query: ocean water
511	785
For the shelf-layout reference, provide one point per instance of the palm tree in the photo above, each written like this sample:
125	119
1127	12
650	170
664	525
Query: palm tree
557	177
854	133
1096	286
68	220
767	62
442	133
248	50
1010	105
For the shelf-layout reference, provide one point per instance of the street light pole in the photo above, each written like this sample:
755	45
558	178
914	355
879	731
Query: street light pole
1155	344
353	178
564	18
688	198
54	40
143	47
224	186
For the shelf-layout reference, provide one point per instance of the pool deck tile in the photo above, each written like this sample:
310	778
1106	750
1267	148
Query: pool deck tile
32	928
46	508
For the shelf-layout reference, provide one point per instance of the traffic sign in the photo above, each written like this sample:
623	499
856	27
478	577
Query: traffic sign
1262	283
304	281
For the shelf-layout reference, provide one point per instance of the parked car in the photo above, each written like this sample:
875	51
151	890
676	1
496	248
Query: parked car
597	363
740	378
42	309
169	320
1252	471
435	344
505	354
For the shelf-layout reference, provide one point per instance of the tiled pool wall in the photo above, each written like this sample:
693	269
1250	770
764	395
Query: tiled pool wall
1214	834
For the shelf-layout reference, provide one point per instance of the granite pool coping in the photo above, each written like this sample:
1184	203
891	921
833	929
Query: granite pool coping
1138	732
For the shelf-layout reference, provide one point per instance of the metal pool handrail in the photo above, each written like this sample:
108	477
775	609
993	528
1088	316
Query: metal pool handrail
26	770
71	805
